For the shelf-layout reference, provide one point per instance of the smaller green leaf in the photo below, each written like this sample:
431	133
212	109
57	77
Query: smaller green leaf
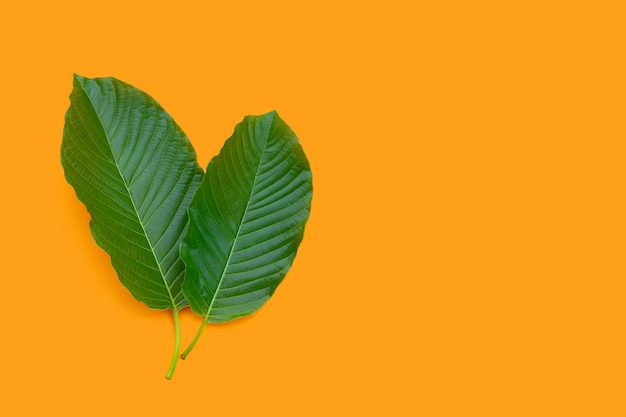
246	221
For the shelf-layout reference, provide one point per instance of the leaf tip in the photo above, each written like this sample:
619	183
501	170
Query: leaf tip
78	79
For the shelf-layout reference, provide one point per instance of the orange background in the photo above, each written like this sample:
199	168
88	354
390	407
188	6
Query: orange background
465	252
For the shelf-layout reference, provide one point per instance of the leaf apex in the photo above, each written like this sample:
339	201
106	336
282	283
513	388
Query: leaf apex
273	114
79	79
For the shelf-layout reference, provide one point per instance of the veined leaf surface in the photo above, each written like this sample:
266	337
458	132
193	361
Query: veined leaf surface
246	220
136	172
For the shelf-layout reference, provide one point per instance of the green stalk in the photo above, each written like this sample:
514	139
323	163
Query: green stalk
195	339
170	371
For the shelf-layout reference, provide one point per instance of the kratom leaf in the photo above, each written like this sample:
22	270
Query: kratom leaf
136	172
246	220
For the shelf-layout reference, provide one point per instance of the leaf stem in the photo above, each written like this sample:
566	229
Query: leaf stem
195	339
170	371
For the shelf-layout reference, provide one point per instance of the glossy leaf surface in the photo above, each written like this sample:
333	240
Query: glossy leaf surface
136	172
246	220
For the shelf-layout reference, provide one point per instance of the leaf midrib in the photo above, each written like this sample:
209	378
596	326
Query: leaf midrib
126	186
232	248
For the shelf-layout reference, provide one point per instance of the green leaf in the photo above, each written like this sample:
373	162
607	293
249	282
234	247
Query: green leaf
136	172
246	220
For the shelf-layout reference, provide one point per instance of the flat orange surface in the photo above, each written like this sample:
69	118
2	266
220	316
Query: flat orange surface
465	253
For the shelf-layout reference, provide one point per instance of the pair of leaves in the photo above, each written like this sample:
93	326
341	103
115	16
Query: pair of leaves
219	243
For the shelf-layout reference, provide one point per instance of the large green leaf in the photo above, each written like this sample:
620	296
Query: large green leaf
246	220
136	172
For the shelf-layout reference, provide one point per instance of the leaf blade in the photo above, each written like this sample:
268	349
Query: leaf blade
135	171
246	220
